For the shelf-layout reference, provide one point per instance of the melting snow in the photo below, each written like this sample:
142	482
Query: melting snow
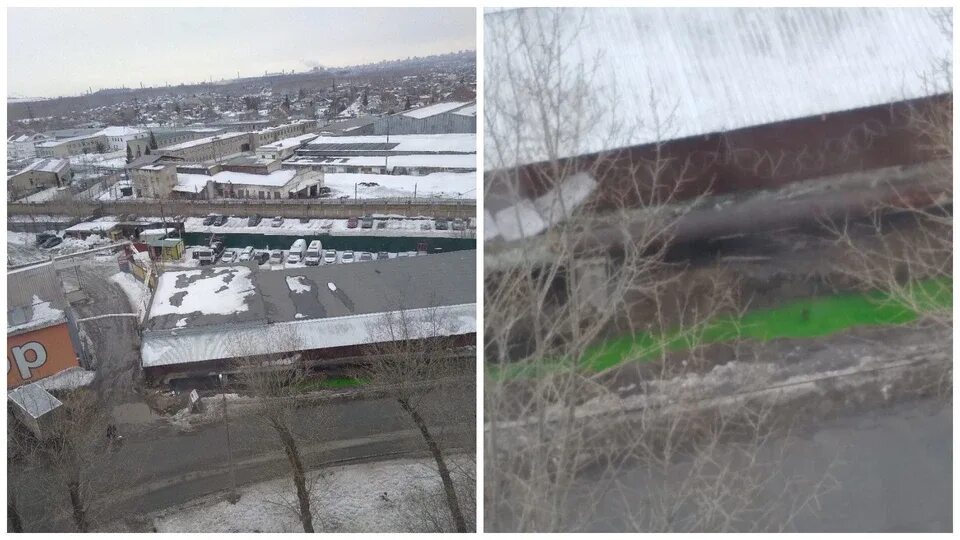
222	293
296	284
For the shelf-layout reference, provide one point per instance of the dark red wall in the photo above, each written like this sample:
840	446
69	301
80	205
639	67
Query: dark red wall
760	157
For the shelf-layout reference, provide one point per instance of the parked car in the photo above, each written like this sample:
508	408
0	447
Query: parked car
352	223
296	251
246	254
277	221
366	256
314	253
457	225
276	256
51	242
347	257
205	256
207	221
304	220
217	247
367	222
254	220
43	237
382	255
329	256
425	226
261	256
440	224
229	256
403	254
220	221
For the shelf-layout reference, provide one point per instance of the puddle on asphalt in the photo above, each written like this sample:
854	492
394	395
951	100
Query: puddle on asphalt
134	413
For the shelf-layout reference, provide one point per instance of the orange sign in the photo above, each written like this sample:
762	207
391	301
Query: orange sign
38	354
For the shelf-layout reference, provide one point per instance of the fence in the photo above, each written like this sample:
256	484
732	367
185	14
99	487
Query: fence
287	208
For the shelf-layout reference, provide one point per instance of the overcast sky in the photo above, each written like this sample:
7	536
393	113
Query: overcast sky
59	52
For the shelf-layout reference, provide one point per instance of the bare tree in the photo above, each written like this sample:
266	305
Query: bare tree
276	382
419	368
70	458
595	267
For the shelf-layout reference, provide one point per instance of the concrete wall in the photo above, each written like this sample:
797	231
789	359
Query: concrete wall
288	208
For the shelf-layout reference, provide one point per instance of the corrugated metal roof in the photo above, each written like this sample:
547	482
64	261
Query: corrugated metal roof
39	280
33	400
291	336
710	70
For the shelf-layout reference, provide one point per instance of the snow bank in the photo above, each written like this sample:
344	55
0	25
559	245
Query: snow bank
137	293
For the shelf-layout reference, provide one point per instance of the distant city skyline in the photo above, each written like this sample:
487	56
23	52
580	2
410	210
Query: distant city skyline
53	52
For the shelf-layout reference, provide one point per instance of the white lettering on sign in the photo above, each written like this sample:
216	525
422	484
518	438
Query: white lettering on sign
24	364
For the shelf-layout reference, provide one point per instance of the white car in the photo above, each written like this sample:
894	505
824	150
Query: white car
347	257
246	254
276	256
229	256
329	256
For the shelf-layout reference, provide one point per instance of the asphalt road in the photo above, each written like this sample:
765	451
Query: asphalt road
115	340
893	469
159	465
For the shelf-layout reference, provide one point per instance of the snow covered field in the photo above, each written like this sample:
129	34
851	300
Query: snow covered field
442	185
385	496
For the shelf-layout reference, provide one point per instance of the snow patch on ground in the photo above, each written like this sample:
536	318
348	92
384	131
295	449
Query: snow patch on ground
297	285
368	497
137	293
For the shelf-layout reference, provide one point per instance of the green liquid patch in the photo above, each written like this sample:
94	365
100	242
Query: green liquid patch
809	318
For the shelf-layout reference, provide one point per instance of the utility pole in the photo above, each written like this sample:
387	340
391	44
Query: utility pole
233	497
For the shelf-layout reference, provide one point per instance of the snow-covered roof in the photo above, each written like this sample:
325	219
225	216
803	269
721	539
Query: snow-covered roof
465	143
193	294
449	185
307	334
191	182
33	400
68	379
435	109
205	140
296	309
58	142
709	70
448	161
470	110
39	314
122	131
51	165
288	142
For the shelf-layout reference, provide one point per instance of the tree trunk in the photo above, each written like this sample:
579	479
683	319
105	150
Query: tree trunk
14	523
79	512
451	494
299	476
